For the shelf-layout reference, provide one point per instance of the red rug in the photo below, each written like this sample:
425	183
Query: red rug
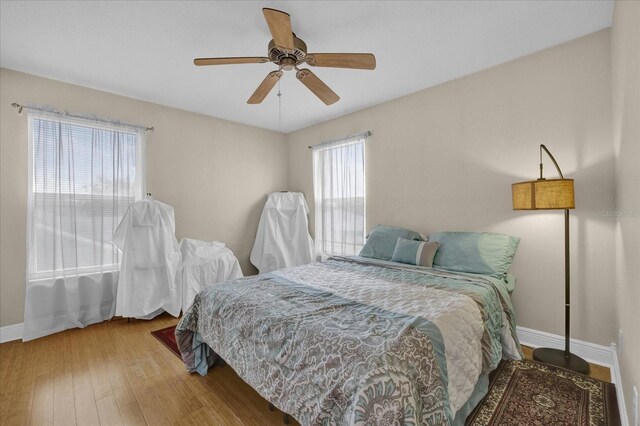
168	338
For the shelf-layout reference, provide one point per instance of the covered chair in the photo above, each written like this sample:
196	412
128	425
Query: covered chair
150	260
283	239
204	264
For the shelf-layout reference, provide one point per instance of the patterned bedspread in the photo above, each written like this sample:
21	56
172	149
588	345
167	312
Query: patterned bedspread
355	341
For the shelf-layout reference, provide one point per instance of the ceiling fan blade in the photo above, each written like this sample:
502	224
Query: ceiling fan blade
316	85
363	61
280	26
265	87
228	61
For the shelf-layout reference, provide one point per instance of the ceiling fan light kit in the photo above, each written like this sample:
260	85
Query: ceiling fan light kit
288	52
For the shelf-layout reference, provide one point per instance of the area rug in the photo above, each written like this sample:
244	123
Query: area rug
168	338
532	393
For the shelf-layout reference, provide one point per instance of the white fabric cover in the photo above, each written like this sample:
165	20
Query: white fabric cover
203	264
150	261
283	239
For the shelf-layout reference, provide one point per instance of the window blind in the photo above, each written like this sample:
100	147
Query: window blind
83	178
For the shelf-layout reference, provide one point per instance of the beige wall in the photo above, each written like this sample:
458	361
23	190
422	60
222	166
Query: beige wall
626	130
215	173
445	158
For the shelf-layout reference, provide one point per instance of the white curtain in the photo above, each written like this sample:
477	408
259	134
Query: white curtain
339	190
83	175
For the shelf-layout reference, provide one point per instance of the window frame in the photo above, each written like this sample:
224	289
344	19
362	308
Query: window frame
140	185
334	145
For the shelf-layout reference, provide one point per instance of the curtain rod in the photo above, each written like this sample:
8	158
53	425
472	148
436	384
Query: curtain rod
364	135
84	117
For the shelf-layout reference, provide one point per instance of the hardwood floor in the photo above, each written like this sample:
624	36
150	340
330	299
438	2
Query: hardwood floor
117	373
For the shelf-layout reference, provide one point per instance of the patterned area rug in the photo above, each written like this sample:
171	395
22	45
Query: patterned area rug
533	393
168	337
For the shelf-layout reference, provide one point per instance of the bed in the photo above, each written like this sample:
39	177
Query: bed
355	340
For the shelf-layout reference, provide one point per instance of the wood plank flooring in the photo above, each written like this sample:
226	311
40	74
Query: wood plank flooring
117	373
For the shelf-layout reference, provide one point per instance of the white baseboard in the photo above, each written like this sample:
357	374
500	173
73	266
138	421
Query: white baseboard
595	354
617	379
11	332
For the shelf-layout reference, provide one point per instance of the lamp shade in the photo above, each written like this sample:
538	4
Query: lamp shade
543	194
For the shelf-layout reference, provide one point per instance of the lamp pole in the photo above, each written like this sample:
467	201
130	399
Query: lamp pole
567	287
557	357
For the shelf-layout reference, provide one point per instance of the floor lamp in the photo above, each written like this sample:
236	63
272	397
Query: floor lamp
553	194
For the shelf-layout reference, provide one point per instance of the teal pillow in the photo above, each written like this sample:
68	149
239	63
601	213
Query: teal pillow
483	253
510	281
419	253
382	241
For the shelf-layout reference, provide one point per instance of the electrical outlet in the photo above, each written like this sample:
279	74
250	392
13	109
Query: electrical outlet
634	410
620	342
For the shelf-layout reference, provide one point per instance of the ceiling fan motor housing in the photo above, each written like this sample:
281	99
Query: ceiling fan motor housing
288	59
288	51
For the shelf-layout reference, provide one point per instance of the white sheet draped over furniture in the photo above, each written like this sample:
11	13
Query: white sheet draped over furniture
283	239
150	261
82	178
204	264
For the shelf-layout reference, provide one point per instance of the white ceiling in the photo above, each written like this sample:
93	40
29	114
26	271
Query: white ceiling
145	49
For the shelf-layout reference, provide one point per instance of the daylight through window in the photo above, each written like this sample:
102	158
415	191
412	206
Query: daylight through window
83	177
339	188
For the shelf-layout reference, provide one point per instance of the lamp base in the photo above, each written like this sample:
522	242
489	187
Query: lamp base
556	357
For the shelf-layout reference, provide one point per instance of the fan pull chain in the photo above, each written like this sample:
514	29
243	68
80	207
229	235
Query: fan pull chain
279	107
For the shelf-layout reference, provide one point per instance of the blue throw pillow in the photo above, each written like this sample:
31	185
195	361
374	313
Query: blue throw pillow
483	253
419	253
382	241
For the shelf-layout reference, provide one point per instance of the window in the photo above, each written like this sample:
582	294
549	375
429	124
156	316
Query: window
339	189
83	176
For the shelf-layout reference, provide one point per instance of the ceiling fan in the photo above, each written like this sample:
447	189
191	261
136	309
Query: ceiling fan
288	51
